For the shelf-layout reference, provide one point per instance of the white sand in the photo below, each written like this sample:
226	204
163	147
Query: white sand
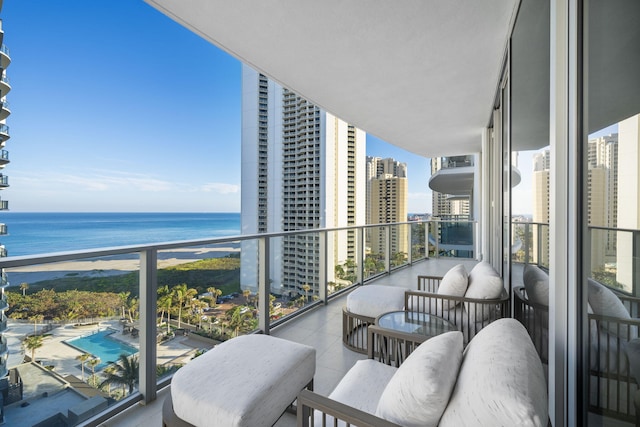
110	266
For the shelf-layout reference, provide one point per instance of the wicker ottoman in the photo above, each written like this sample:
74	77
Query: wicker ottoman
247	381
363	306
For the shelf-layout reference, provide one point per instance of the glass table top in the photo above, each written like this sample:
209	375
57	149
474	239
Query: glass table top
415	323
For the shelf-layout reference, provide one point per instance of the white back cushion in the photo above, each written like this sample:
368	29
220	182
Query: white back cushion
418	392
454	283
501	381
484	283
604	302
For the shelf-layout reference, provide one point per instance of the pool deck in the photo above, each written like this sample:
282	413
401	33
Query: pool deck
55	352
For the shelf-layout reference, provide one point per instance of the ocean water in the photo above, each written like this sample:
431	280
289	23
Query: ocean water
39	232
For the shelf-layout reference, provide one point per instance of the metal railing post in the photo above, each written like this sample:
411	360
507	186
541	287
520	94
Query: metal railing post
410	246
636	263
437	238
426	239
387	260
360	253
263	284
148	321
322	267
527	242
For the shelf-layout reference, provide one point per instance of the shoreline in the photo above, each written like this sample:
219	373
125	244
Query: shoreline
110	267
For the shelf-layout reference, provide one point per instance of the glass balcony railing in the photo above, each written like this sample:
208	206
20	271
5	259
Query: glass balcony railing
4	49
156	307
4	129
614	260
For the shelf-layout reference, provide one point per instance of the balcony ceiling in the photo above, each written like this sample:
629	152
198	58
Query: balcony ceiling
419	74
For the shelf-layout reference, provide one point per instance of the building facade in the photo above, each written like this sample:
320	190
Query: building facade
387	188
302	168
5	87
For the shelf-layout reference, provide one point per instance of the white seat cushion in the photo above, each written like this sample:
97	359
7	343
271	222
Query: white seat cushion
419	391
501	381
374	300
247	381
361	387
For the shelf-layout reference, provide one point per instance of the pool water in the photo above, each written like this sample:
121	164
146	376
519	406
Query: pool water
101	345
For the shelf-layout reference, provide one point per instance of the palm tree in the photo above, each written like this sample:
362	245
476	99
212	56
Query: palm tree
133	308
35	319
165	300
124	297
93	363
23	287
111	369
183	295
246	293
124	372
215	293
32	343
306	289
83	358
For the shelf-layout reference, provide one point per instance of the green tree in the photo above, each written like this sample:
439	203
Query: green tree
32	343
23	287
125	372
183	295
163	304
83	358
215	293
93	363
306	288
124	299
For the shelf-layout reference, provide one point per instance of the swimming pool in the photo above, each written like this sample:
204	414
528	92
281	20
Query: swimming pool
99	344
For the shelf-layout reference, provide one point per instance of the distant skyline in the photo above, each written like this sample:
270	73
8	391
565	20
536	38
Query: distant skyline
116	108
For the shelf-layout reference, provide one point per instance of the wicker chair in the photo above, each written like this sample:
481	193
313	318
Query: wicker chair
611	384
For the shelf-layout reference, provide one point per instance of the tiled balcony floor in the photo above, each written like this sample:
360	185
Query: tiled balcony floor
320	328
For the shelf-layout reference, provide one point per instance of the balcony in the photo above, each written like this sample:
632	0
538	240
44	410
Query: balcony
5	58
5	86
4	181
304	316
4	133
5	111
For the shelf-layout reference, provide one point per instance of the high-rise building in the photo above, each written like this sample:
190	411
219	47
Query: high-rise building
540	193
302	168
387	188
389	205
378	167
5	87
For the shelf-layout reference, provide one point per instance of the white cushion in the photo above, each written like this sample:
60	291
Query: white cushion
248	381
536	282
374	300
484	283
361	387
605	303
419	391
454	283
501	381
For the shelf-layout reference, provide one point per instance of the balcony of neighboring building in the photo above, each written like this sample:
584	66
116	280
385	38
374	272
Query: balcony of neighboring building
4	205
5	86
4	181
3	232
4	158
5	59
5	111
4	133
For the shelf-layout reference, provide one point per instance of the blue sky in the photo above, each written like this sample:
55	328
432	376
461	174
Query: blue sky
117	108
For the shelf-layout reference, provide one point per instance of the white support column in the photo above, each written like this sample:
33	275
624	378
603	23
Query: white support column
565	220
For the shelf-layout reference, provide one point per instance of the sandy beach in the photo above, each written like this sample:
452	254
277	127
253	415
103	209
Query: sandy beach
112	265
